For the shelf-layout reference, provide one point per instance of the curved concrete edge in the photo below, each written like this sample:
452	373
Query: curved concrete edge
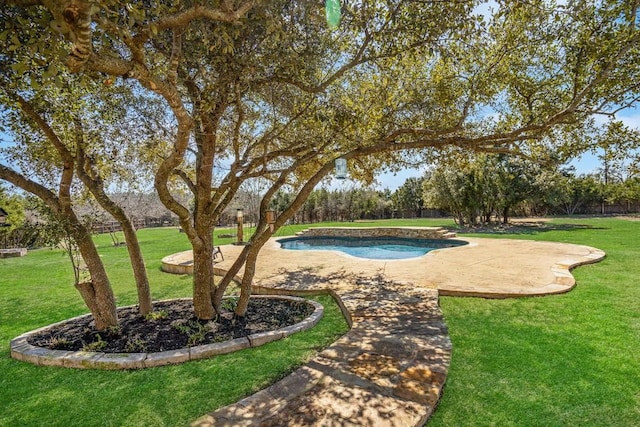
23	351
178	263
563	281
182	263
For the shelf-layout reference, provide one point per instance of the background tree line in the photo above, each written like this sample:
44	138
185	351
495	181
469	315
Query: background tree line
480	188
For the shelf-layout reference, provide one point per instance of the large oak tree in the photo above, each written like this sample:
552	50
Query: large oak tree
266	89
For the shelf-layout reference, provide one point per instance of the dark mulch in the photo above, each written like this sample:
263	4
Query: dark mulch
171	326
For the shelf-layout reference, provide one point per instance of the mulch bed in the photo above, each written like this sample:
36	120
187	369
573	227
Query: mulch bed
171	326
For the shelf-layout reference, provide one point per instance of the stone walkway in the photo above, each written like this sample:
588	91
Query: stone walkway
390	368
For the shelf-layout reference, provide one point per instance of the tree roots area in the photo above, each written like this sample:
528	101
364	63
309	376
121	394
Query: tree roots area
172	325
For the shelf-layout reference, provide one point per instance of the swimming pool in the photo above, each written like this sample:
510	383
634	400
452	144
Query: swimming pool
371	247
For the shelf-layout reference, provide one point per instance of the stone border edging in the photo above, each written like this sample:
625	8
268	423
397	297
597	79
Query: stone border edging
407	232
23	351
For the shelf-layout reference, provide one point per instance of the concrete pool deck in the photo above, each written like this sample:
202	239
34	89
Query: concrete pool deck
389	369
490	268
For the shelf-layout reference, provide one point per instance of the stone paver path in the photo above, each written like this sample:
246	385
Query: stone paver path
390	368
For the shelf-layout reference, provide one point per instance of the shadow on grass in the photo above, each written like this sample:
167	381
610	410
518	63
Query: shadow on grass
525	228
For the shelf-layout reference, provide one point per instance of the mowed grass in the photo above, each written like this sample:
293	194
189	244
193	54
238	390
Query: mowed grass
37	290
566	360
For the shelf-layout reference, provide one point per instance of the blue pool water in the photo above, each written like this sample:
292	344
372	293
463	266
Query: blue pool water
371	248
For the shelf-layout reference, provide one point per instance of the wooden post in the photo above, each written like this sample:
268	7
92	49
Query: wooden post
240	216
271	219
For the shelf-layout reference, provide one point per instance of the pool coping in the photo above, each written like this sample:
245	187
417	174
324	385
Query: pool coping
363	242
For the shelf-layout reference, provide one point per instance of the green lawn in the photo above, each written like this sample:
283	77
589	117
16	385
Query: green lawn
564	360
38	289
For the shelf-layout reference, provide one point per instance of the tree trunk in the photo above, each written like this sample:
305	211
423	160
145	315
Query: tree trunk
139	269
97	293
247	280
96	187
228	277
203	279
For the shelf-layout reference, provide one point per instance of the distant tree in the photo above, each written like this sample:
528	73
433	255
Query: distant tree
13	205
516	182
280	201
384	206
446	188
618	148
551	191
581	192
322	205
480	187
408	197
630	193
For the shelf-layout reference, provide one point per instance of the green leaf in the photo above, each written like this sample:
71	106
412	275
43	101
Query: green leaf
20	67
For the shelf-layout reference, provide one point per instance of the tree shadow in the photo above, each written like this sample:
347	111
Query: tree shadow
314	278
388	369
525	228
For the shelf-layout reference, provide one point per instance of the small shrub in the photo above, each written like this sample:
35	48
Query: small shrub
114	331
156	315
194	330
137	345
230	303
97	345
57	343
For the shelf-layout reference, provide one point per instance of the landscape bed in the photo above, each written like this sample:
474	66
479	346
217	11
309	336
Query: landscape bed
170	334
